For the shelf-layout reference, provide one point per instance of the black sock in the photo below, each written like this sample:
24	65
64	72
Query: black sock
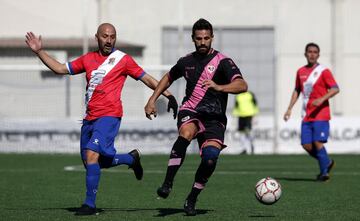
177	157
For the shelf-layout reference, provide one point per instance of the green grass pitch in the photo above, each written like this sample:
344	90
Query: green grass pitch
50	187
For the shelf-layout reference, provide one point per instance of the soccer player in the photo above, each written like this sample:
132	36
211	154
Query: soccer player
245	109
106	71
317	85
209	76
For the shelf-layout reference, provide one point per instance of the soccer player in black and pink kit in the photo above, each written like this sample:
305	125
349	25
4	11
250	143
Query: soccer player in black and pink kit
209	76
106	71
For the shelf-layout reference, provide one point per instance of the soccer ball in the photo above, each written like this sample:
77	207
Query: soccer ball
268	191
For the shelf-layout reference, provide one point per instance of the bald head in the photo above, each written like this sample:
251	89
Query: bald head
106	38
106	26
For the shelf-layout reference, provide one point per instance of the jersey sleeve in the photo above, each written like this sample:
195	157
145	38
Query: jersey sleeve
329	79
230	69
133	69
176	71
76	66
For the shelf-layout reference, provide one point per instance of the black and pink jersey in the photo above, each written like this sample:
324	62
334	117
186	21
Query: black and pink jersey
196	68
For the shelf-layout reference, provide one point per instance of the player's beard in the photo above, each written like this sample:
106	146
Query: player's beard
107	49
203	49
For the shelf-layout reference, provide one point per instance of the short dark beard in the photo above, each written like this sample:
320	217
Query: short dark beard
202	53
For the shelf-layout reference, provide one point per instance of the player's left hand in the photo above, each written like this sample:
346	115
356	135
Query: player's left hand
172	105
210	84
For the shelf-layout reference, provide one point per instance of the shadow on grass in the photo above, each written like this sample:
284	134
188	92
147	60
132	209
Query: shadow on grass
171	211
296	179
162	212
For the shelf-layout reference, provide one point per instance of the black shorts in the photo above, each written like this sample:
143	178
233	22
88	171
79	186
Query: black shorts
244	123
210	128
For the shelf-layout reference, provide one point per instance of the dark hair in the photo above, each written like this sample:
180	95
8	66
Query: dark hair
202	24
312	44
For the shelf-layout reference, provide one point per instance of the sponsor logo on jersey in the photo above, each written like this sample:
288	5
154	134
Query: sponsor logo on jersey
96	142
185	118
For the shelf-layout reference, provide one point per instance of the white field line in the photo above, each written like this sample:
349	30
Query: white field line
78	168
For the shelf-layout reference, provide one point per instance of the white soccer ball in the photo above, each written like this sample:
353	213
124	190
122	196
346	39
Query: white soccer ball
268	191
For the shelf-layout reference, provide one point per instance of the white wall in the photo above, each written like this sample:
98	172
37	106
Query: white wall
140	21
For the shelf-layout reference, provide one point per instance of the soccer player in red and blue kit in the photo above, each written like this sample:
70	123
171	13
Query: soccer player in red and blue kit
317	85
209	76
106	72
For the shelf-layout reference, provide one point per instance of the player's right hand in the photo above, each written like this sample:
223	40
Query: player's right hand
287	115
33	42
150	109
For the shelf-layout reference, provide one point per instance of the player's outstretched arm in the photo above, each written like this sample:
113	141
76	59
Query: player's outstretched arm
294	98
35	44
236	86
150	108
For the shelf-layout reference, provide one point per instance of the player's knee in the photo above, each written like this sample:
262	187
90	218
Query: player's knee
91	156
307	147
210	154
188	135
188	131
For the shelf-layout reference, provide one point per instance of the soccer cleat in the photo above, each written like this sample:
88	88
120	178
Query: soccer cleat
189	207
136	166
326	177
164	190
322	177
86	210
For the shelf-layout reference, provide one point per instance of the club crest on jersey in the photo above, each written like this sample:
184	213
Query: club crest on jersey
111	61
210	68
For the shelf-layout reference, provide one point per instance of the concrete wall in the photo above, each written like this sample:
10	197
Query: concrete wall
333	24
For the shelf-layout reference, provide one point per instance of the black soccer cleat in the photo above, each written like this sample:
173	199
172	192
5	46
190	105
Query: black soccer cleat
322	177
136	166
86	210
164	190
189	207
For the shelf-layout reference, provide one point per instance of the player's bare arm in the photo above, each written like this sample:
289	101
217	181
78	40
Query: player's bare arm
172	104
35	44
235	87
150	108
294	98
332	92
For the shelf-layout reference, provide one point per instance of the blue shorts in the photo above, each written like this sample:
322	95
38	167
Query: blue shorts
314	131
99	135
